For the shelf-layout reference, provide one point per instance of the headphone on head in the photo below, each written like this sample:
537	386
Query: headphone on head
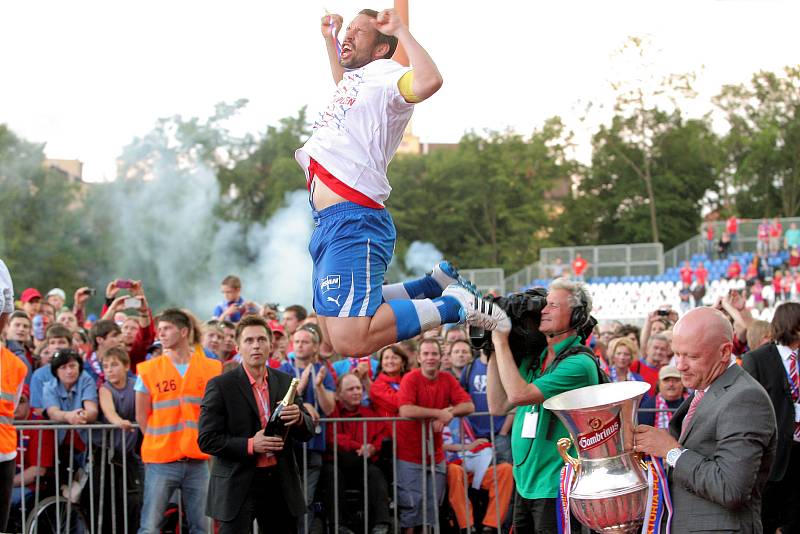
580	315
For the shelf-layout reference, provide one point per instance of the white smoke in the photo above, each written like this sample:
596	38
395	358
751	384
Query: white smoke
421	257
167	234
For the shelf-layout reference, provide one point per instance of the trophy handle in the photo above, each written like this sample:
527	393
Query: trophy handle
639	458
563	446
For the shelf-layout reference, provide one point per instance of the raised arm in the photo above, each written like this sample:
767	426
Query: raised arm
330	26
518	392
427	79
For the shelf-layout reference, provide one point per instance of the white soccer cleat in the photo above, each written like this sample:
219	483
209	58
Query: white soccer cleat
476	311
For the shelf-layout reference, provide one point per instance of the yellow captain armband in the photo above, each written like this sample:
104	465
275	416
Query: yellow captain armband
405	84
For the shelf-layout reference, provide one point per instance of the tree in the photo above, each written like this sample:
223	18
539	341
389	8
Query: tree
44	240
612	207
639	117
255	186
763	143
488	201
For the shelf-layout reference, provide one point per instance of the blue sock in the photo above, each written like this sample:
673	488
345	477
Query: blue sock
406	319
415	316
449	309
426	287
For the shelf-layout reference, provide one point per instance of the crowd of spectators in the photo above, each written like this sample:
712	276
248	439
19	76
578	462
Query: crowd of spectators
82	369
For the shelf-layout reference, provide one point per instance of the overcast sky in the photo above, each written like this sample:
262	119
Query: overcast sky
86	77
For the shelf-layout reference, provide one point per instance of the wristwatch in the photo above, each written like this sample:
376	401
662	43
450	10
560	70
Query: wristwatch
673	455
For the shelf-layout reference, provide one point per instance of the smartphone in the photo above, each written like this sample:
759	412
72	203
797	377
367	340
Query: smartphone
124	284
89	291
663	313
132	302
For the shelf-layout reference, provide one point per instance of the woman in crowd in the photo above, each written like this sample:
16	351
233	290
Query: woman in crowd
623	353
392	365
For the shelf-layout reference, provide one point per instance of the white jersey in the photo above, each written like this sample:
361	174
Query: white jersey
6	290
357	135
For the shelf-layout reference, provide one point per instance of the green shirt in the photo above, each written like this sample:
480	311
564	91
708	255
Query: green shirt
537	464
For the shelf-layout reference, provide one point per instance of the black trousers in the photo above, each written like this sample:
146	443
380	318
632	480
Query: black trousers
538	516
780	504
7	469
264	503
351	476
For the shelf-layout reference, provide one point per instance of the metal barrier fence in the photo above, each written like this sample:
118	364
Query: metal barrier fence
114	490
486	279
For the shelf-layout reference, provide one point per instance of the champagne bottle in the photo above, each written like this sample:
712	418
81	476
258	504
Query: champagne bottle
276	427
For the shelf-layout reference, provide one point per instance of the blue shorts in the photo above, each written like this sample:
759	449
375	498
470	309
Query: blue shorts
351	248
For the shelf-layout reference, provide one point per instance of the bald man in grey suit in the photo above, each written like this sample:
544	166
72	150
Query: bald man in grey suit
721	442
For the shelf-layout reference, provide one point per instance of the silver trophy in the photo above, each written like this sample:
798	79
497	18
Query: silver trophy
609	491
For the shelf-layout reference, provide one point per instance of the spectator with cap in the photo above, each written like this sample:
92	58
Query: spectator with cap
279	344
669	397
31	301
56	297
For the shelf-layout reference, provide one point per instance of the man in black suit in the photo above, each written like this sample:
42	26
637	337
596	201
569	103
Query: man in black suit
771	365
252	475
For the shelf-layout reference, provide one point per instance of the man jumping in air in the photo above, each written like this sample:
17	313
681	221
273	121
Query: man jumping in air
345	161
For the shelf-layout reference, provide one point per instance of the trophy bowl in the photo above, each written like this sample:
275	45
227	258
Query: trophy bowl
609	492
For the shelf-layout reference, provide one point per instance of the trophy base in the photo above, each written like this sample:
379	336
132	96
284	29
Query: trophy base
622	514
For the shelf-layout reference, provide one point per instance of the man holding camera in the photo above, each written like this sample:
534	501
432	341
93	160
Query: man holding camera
565	364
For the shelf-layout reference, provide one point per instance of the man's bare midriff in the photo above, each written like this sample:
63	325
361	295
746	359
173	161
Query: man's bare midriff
323	197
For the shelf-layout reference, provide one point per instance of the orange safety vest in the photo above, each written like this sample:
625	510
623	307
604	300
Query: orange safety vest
12	374
171	432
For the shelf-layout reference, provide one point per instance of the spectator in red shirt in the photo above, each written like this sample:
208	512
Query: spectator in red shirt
656	356
351	450
708	230
734	270
579	266
686	273
762	246
794	260
434	398
777	285
393	364
775	236
701	274
732	229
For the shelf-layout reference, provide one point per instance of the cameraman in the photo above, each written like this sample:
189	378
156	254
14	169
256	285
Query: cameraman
565	364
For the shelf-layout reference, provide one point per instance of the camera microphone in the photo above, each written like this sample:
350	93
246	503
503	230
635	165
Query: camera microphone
551	335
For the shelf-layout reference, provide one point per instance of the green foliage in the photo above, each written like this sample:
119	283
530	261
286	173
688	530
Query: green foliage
255	186
484	202
43	237
763	144
611	205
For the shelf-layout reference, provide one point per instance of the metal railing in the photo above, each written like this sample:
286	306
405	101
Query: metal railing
486	280
113	499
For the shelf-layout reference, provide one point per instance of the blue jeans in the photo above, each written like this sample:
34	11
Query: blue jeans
161	480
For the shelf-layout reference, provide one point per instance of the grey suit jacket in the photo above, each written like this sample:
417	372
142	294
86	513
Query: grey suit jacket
730	445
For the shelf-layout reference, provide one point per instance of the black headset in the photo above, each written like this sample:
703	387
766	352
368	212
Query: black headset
580	314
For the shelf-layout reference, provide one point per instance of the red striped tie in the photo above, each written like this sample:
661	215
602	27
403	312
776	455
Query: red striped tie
698	396
794	388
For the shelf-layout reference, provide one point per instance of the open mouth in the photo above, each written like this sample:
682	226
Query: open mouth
347	50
